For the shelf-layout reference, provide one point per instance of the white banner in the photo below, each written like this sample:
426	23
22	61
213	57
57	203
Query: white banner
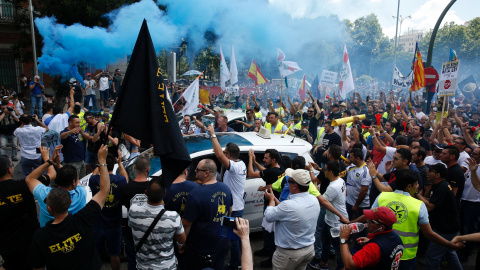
400	81
233	90
448	79
328	77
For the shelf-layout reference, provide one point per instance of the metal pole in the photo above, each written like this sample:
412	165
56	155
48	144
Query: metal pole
396	40
35	69
434	33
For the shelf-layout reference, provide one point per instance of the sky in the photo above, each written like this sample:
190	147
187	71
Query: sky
424	13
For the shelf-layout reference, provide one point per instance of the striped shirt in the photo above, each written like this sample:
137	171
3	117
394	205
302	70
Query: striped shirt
157	251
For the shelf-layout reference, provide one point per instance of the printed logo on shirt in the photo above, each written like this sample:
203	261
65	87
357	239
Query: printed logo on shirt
139	199
400	211
17	198
221	207
66	246
397	254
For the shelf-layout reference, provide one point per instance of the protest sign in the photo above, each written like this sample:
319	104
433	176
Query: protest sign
328	77
448	78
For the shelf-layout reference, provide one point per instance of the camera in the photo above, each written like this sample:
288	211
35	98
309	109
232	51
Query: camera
10	108
229	222
33	117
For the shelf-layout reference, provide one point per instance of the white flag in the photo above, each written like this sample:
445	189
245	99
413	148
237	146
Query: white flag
280	55
191	96
224	73
233	69
346	77
288	68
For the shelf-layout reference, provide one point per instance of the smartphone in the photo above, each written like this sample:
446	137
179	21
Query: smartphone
229	222
38	150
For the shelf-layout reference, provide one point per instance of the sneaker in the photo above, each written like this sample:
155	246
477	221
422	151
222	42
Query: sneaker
315	263
14	159
261	252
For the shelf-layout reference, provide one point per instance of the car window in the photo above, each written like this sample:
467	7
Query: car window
195	161
129	165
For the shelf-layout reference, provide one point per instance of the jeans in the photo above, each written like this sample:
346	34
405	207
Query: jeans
469	223
235	245
93	98
318	232
327	239
435	253
28	165
37	102
130	249
3	144
112	236
104	96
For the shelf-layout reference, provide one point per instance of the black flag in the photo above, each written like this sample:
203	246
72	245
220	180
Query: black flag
469	88
144	111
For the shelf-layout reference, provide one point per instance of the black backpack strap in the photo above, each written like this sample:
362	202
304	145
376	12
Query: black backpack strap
149	230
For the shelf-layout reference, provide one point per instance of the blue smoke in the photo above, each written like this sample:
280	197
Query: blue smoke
255	27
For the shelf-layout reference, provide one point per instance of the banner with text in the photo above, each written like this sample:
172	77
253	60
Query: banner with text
328	77
448	79
400	81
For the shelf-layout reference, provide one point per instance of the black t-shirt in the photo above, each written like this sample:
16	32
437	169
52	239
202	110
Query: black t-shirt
456	179
92	130
176	196
112	148
473	123
112	210
131	189
77	96
325	182
312	123
270	176
332	116
444	217
372	118
328	139
68	244
18	218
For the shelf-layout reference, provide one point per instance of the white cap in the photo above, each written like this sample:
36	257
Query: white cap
300	176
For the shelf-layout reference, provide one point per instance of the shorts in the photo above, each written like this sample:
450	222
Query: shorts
91	158
111	236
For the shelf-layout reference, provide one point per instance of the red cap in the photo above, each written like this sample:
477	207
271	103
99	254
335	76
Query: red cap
381	214
88	74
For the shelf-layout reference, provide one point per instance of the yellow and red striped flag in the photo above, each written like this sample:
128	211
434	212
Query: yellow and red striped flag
418	71
301	90
255	74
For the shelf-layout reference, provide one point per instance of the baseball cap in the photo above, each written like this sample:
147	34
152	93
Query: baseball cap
304	123
335	105
88	74
297	114
343	104
300	176
106	115
381	214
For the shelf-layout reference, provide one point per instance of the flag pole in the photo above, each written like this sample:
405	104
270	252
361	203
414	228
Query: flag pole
281	85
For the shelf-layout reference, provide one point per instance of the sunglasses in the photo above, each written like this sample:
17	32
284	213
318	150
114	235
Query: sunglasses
200	170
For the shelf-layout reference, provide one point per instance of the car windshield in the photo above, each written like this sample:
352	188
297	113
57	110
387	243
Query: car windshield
196	143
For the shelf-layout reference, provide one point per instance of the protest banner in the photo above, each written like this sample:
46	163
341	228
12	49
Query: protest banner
448	79
328	77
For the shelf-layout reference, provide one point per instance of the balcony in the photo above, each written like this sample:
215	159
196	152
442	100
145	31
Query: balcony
8	12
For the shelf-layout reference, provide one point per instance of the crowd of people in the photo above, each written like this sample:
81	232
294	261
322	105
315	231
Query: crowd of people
411	178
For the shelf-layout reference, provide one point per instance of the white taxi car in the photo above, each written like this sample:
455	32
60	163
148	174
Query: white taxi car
200	146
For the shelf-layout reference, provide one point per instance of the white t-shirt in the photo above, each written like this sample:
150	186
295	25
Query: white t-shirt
430	160
93	84
388	156
336	195
103	81
358	177
19	108
235	178
462	159
469	192
45	117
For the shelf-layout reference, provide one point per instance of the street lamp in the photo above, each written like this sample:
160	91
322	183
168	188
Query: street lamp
401	21
370	73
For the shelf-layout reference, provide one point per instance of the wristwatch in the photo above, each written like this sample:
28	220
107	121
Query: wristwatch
373	177
214	136
343	241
